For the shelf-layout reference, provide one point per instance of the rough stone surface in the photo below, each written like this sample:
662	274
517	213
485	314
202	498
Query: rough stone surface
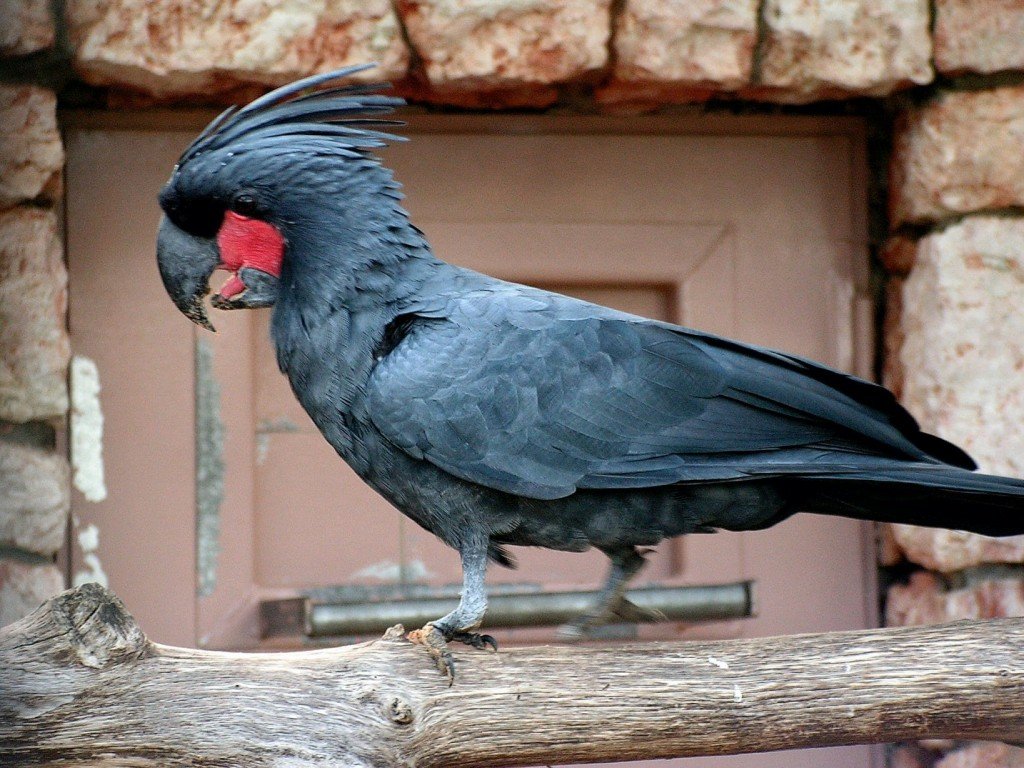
925	600
678	50
984	754
962	362
494	45
26	26
950	551
964	339
31	153
979	35
818	49
34	348
23	587
36	499
959	154
180	47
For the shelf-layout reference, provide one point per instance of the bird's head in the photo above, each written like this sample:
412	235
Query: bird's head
252	185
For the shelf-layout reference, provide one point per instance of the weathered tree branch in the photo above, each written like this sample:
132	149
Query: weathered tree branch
80	684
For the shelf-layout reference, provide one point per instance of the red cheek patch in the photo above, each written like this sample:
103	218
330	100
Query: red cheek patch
246	242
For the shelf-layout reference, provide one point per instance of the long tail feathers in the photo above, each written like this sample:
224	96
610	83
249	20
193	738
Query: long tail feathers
923	494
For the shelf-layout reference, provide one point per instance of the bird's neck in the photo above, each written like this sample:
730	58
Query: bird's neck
346	284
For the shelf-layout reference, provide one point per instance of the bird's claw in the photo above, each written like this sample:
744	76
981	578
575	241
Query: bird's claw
478	641
435	640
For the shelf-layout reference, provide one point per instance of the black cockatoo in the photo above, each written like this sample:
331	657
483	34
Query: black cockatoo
496	414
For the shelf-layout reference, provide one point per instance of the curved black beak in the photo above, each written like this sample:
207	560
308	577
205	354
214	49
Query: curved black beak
186	263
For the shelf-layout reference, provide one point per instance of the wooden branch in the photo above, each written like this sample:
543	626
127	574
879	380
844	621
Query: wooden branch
80	684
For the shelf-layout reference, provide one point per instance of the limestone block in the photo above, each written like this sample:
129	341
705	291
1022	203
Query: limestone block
817	49
959	154
36	499
34	348
23	587
979	35
924	600
31	153
984	754
490	45
172	48
26	26
962	362
684	48
963	351
949	551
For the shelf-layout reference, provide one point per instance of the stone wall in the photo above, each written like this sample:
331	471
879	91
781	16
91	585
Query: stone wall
501	53
950	70
956	349
34	350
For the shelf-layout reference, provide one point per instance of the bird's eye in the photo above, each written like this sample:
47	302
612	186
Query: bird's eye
245	204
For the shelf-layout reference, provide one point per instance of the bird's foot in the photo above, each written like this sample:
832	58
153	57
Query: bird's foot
436	640
621	612
478	641
433	639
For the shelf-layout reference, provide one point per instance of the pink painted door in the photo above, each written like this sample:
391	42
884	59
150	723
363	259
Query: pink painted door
718	225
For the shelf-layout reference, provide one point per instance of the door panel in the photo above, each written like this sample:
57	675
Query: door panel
119	317
754	236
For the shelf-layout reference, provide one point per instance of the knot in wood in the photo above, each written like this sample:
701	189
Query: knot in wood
399	711
95	626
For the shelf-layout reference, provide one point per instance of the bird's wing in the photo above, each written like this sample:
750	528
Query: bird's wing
536	394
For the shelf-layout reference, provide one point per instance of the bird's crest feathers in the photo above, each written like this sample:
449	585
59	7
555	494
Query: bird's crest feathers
343	115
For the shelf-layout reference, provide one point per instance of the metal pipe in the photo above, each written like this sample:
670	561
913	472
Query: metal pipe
713	602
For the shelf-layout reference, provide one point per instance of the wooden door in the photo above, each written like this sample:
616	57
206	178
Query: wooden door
720	225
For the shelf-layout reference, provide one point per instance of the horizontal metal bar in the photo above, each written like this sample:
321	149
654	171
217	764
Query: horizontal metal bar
714	602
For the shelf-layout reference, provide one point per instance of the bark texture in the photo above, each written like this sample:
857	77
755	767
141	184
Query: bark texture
82	685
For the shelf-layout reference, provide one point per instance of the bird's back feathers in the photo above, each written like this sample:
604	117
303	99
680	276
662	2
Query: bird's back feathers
538	394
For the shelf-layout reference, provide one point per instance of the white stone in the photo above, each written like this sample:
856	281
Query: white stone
31	152
26	26
35	499
963	348
979	35
34	347
23	588
984	755
833	48
181	47
686	42
950	551
960	153
962	361
498	44
925	600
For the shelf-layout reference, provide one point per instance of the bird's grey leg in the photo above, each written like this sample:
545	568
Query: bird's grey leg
612	605
459	623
